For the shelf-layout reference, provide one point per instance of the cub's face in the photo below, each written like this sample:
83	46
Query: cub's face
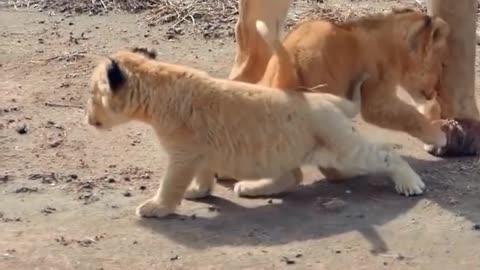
426	40
109	103
103	110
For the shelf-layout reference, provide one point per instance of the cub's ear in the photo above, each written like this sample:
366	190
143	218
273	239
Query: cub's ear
440	32
115	76
150	53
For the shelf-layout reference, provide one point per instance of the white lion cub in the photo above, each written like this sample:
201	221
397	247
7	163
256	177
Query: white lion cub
258	134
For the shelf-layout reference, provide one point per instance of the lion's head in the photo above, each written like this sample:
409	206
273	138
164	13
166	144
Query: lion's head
425	38
110	102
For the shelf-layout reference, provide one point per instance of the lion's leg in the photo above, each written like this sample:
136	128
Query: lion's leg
351	154
269	186
386	110
172	187
252	52
367	158
202	185
458	78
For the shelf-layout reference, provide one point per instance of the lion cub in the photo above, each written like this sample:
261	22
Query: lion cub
255	133
401	48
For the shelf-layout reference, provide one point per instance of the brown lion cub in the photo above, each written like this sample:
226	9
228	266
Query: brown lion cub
250	132
401	48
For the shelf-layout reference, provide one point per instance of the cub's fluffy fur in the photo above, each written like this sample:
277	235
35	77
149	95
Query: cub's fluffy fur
254	133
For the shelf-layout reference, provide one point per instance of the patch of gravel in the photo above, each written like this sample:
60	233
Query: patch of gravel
92	7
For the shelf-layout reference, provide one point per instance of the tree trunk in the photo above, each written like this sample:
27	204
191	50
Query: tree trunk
457	85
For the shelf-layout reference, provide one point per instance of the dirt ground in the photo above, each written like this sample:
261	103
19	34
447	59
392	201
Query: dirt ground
68	194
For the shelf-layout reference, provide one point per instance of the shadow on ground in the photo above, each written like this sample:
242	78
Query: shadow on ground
370	202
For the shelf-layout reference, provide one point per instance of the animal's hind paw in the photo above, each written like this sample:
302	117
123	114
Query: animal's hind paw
410	186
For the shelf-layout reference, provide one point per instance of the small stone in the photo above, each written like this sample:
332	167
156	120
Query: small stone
56	144
21	129
452	201
174	258
127	194
334	204
48	210
26	190
135	242
143	187
213	209
338	251
288	261
111	180
476	227
5	178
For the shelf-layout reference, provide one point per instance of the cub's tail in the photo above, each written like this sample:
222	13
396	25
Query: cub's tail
286	75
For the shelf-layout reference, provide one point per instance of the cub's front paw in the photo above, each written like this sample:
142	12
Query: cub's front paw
152	208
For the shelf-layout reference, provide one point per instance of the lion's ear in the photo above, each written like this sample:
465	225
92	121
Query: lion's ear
440	32
115	76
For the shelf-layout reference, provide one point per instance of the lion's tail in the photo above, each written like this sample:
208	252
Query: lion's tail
286	70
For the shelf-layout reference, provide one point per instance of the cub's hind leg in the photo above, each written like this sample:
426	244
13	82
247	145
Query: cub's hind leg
269	186
351	154
201	185
368	158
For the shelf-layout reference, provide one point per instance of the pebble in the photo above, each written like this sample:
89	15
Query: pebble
288	261
21	129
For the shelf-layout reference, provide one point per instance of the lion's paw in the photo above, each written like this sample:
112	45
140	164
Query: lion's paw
245	189
152	208
410	185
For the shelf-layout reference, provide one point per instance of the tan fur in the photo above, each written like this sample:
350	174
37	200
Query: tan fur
402	48
250	132
252	53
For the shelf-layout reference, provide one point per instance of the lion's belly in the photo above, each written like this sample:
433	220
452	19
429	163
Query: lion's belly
264	161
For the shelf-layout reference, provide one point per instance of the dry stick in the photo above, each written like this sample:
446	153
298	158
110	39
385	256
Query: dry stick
104	6
48	104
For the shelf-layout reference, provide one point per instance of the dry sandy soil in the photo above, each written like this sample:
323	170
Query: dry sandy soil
68	193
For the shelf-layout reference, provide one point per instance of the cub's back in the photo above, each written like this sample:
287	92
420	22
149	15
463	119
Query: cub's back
325	53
